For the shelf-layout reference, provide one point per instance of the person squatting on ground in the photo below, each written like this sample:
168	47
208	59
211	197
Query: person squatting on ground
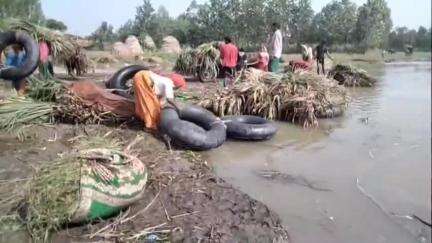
229	56
276	46
320	52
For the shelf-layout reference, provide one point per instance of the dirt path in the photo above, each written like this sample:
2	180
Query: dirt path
185	201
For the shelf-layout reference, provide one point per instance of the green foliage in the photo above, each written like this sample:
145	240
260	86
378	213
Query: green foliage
336	22
55	25
248	23
103	33
23	9
373	24
402	36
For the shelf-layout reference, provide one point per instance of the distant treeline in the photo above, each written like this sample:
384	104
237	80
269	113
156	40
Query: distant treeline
346	26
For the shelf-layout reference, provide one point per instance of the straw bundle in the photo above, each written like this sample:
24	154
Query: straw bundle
72	109
52	195
299	97
61	45
203	61
351	76
18	112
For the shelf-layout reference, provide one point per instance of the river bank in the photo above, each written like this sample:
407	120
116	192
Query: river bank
184	200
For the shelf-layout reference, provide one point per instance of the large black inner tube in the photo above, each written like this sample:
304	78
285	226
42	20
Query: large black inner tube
32	55
194	128
120	78
249	128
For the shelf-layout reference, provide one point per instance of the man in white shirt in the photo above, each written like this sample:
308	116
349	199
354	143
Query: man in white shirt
276	48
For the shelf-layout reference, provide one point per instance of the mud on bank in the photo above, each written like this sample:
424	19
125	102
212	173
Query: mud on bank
185	201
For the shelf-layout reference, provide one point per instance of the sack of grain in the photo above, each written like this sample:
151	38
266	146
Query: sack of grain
171	45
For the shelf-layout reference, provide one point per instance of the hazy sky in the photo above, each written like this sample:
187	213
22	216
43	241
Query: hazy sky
84	16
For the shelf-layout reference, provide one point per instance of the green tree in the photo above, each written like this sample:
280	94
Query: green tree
23	9
103	34
336	22
160	25
55	25
302	21
373	24
144	17
126	29
252	27
423	39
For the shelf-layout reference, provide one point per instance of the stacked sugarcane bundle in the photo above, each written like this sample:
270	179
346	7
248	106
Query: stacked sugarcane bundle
351	76
203	61
296	97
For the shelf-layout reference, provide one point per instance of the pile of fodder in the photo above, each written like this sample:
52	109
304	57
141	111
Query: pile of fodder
49	101
295	97
63	47
77	187
204	61
351	76
16	113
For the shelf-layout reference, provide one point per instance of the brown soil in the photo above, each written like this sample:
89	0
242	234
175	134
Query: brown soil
190	203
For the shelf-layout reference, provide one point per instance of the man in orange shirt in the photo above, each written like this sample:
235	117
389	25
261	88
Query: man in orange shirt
229	55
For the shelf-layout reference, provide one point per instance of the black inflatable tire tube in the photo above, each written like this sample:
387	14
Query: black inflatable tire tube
190	132
251	128
119	79
32	55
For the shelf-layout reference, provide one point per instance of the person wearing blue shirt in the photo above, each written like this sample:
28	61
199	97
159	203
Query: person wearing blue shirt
15	58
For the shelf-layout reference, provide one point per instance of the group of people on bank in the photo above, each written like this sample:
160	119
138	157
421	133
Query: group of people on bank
234	58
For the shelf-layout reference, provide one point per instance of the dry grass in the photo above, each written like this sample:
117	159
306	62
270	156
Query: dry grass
351	76
298	97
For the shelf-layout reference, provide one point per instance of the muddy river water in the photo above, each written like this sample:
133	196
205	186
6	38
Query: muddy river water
357	178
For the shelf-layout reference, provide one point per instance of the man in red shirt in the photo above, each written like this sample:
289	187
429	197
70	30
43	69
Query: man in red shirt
229	55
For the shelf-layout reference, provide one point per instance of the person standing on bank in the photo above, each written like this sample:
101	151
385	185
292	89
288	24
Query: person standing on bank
229	55
320	52
276	46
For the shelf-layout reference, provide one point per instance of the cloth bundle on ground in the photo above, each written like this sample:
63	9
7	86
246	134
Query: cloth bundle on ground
91	94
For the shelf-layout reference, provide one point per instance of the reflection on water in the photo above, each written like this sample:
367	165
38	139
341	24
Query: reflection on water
375	161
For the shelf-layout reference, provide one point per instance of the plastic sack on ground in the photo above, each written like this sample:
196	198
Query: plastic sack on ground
108	187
